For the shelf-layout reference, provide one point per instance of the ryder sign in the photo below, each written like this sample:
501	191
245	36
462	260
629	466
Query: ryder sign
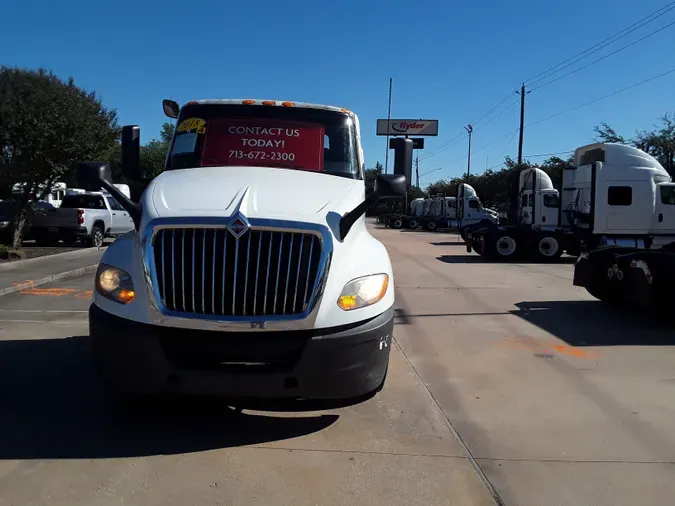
427	127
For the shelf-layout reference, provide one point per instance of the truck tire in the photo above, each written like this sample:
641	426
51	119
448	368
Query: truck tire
548	248
397	223
95	239
412	224
504	246
430	226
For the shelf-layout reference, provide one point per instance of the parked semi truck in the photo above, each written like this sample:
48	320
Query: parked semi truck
231	284
417	208
462	213
628	200
611	195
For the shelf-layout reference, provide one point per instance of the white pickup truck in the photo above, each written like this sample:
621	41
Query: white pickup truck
89	217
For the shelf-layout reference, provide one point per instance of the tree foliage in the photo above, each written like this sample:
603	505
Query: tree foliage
153	154
47	125
658	142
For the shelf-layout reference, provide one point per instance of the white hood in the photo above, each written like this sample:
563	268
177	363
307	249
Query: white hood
257	192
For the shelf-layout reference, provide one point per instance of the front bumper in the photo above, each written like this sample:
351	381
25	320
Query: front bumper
335	363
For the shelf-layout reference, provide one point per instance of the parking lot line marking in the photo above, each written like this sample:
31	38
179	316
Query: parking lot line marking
57	322
43	311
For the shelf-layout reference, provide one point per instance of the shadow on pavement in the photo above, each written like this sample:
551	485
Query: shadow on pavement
449	243
54	407
594	323
463	259
475	258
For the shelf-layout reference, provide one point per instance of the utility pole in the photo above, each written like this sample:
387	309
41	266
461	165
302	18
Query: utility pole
522	94
417	170
469	129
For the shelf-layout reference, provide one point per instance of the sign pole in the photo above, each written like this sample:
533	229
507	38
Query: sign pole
386	152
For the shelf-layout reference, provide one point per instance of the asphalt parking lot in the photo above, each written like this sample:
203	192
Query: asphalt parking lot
504	379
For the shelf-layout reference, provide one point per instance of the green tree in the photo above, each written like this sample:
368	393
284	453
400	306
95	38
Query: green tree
47	125
658	142
606	133
153	154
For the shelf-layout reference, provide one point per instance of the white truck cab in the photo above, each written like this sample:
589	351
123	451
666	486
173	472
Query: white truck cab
250	273
620	194
539	203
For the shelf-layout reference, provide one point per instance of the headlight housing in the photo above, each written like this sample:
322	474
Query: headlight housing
363	292
115	284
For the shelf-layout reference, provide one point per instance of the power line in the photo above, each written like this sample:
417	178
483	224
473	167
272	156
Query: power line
564	64
457	139
560	114
495	107
502	112
603	57
601	98
629	29
548	154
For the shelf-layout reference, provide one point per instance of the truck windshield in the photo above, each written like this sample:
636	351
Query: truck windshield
218	135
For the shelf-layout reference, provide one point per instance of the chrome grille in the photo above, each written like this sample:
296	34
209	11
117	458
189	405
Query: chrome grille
210	272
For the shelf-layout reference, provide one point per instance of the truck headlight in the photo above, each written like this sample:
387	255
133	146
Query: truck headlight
362	292
115	284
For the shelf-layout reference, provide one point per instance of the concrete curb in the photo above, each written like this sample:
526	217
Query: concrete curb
16	287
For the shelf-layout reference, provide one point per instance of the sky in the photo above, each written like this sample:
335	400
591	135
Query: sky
449	61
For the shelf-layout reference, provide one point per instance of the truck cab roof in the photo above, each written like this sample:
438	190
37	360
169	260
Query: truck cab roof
267	103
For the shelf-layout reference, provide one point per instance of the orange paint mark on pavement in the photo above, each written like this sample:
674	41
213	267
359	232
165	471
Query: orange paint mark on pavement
28	288
547	347
53	292
85	295
575	352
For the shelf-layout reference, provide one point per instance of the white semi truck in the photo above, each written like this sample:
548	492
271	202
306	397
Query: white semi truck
54	197
462	213
250	272
610	196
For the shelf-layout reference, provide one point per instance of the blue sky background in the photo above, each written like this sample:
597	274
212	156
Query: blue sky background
449	61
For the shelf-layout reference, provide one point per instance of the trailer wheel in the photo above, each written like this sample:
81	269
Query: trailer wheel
413	224
397	223
548	248
505	246
603	285
430	226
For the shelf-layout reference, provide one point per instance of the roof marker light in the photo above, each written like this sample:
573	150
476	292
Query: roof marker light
248	102
268	102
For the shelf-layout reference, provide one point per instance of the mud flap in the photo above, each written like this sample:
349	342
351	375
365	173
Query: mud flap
582	271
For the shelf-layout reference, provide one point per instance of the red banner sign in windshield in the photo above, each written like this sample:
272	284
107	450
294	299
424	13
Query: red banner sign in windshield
267	143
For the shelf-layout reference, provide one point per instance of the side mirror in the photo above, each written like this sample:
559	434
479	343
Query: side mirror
90	174
390	186
131	152
93	176
171	108
403	158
